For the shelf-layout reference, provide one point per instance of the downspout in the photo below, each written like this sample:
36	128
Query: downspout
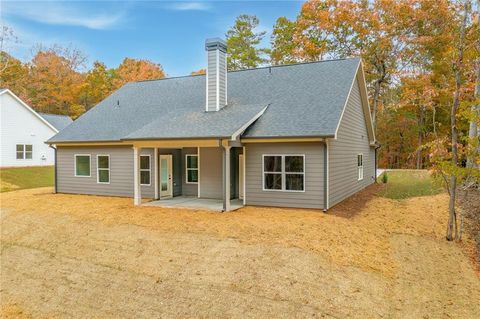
326	177
376	161
55	165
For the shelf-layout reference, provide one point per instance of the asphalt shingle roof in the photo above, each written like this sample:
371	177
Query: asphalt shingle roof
303	100
57	121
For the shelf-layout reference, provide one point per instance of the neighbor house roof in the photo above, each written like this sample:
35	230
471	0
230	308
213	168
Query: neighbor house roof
304	100
58	121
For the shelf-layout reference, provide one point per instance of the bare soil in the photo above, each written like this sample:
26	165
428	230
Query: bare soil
75	256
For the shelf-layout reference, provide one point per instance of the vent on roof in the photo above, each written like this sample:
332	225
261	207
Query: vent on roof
216	92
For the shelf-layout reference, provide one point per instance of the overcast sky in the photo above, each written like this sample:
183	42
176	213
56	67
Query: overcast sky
169	33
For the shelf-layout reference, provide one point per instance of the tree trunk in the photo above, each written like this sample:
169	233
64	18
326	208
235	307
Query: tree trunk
376	96
474	129
458	65
420	121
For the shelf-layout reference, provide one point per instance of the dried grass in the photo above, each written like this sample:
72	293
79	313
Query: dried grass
362	240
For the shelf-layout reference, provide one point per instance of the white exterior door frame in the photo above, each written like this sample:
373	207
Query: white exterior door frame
166	176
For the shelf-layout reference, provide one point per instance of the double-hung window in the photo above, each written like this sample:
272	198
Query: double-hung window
82	165
360	166
24	151
145	170
191	168
284	173
103	169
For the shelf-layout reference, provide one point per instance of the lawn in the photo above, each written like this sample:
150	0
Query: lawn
409	183
76	256
26	177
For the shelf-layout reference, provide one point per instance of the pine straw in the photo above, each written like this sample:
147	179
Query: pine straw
362	240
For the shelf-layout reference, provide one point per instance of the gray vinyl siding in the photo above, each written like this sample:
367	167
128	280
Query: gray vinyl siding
222	79
212	80
352	139
176	168
211	169
314	175
188	189
121	172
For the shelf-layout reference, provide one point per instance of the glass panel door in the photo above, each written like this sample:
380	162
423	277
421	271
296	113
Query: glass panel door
166	176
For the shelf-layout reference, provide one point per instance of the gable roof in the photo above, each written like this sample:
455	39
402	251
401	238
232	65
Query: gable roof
5	91
58	121
304	100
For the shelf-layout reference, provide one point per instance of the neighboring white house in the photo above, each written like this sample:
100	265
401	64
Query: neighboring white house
23	133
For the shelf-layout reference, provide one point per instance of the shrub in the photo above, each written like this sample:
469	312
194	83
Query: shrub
384	178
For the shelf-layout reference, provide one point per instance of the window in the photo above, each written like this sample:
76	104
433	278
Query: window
284	173
82	165
103	169
24	151
145	170
191	168
360	166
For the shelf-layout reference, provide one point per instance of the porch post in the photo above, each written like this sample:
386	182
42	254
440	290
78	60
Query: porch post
156	175
137	196
226	178
244	176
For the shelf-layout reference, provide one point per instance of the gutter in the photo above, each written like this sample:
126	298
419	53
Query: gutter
55	166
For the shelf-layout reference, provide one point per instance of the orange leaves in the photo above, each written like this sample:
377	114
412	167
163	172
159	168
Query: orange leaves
137	70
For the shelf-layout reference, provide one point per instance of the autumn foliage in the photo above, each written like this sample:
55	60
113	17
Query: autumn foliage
55	79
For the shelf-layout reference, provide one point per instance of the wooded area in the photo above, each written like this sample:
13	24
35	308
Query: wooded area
421	58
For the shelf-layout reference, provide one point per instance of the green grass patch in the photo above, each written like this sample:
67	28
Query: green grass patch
410	183
26	177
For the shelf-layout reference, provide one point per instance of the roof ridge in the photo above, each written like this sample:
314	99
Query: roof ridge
250	69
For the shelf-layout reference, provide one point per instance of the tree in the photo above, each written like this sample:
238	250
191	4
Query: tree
97	85
131	70
199	72
243	42
7	37
375	30
54	79
14	75
474	127
282	42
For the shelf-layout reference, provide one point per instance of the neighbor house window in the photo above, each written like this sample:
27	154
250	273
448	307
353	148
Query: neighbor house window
360	166
191	168
24	151
82	165
145	170
103	169
284	173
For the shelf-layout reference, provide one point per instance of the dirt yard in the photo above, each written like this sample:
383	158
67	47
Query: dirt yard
73	256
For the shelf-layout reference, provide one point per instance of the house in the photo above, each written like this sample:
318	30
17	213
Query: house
297	135
23	132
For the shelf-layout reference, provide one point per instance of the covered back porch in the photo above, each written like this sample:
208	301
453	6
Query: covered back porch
190	173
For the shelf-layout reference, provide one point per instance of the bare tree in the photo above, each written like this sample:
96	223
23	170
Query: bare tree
7	37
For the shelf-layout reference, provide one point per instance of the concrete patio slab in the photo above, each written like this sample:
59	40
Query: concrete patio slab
191	202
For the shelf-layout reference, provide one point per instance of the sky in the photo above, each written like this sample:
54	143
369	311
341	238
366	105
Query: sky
171	33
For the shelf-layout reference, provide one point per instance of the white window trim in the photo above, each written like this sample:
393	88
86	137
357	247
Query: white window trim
191	169
75	165
283	173
360	167
24	158
149	169
103	169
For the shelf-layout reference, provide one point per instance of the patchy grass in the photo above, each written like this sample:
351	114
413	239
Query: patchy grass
410	183
26	177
